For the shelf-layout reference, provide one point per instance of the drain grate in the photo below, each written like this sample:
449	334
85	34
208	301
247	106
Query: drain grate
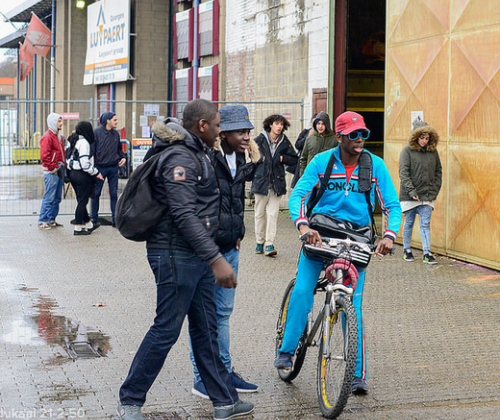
82	350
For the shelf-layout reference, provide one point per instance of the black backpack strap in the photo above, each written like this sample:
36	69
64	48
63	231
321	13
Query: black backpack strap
365	182
317	193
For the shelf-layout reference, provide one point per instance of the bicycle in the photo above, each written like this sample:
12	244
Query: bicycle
338	343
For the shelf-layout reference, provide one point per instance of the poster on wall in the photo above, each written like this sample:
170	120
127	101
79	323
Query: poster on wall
416	118
139	149
108	41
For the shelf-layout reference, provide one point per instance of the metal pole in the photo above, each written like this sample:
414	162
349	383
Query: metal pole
112	94
34	94
53	58
196	62
18	81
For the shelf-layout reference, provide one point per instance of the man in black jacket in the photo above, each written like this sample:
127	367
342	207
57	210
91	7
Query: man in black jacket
108	157
234	160
269	183
185	259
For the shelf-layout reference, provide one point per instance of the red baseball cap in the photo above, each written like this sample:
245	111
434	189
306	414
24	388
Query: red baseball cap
348	122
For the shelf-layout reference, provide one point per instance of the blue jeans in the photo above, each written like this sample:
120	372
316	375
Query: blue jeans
225	305
111	173
424	218
301	303
185	286
51	198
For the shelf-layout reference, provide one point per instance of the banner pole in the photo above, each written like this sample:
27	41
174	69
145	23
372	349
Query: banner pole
53	58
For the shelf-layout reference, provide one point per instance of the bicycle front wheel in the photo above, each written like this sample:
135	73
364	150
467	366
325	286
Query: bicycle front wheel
337	359
289	375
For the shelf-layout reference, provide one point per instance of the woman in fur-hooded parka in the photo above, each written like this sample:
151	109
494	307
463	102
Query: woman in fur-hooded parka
420	168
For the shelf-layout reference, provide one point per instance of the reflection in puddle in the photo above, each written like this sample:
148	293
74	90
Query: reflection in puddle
46	328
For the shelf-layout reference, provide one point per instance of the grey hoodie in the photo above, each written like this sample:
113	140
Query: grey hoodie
52	122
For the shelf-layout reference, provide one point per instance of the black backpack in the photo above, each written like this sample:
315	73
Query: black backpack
137	211
365	166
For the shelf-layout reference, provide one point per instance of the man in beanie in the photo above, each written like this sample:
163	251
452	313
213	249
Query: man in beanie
108	156
343	200
52	156
421	175
234	160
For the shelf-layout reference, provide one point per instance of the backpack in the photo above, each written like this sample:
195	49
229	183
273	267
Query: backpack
137	211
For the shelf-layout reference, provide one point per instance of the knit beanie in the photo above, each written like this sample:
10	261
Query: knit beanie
105	117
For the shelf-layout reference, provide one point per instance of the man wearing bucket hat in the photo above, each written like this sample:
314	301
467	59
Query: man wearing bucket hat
234	160
343	200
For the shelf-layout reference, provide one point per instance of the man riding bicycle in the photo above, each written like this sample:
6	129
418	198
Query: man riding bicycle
343	200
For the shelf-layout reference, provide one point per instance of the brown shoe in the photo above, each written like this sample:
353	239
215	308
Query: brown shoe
55	224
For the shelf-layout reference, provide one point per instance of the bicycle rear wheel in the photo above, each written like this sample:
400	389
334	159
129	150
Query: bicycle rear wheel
289	375
336	368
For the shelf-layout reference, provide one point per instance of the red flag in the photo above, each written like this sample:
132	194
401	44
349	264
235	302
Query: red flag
25	62
38	35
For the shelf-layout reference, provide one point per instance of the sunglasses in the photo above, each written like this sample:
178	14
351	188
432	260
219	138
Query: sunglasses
355	134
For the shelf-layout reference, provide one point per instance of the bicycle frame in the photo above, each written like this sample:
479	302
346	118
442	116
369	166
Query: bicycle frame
333	292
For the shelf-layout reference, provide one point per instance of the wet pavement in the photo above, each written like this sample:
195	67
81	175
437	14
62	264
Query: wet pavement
74	310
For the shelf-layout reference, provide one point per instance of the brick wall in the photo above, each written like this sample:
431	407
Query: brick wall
275	50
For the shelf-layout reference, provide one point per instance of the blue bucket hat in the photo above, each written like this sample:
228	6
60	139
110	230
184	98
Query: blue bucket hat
234	117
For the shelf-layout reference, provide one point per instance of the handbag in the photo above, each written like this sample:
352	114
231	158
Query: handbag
331	227
62	173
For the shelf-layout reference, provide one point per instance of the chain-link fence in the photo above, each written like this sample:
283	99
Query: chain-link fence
23	122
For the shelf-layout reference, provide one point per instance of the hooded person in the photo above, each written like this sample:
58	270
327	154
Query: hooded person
420	173
234	159
82	174
109	157
321	140
52	156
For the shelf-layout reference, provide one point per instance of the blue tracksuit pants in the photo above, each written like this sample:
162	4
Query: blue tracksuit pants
301	303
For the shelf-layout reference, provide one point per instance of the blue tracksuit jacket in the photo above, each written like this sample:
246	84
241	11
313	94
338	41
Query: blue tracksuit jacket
345	201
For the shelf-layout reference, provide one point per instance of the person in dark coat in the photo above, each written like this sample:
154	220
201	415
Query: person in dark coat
234	160
269	183
299	145
421	174
187	264
109	156
322	139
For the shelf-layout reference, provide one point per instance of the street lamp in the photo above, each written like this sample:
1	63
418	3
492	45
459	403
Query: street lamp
80	4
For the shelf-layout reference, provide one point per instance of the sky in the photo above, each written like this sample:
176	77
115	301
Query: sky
5	27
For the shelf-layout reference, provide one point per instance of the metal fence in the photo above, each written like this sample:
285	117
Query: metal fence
23	122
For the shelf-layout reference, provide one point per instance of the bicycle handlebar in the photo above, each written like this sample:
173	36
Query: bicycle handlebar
369	248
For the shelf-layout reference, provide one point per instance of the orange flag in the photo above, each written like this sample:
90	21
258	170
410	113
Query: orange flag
38	35
25	62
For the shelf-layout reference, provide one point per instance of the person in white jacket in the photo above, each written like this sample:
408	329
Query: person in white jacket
82	173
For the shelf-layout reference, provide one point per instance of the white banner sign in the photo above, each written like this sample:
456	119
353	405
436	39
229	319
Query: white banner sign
108	39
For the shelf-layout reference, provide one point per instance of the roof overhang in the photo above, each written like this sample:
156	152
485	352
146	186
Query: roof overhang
13	40
22	13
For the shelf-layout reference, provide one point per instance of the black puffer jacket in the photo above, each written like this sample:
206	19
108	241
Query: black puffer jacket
191	197
232	195
271	172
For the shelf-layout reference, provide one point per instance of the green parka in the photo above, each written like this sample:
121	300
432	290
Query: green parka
420	168
317	143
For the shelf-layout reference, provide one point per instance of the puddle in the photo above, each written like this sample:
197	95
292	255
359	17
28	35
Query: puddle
45	327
